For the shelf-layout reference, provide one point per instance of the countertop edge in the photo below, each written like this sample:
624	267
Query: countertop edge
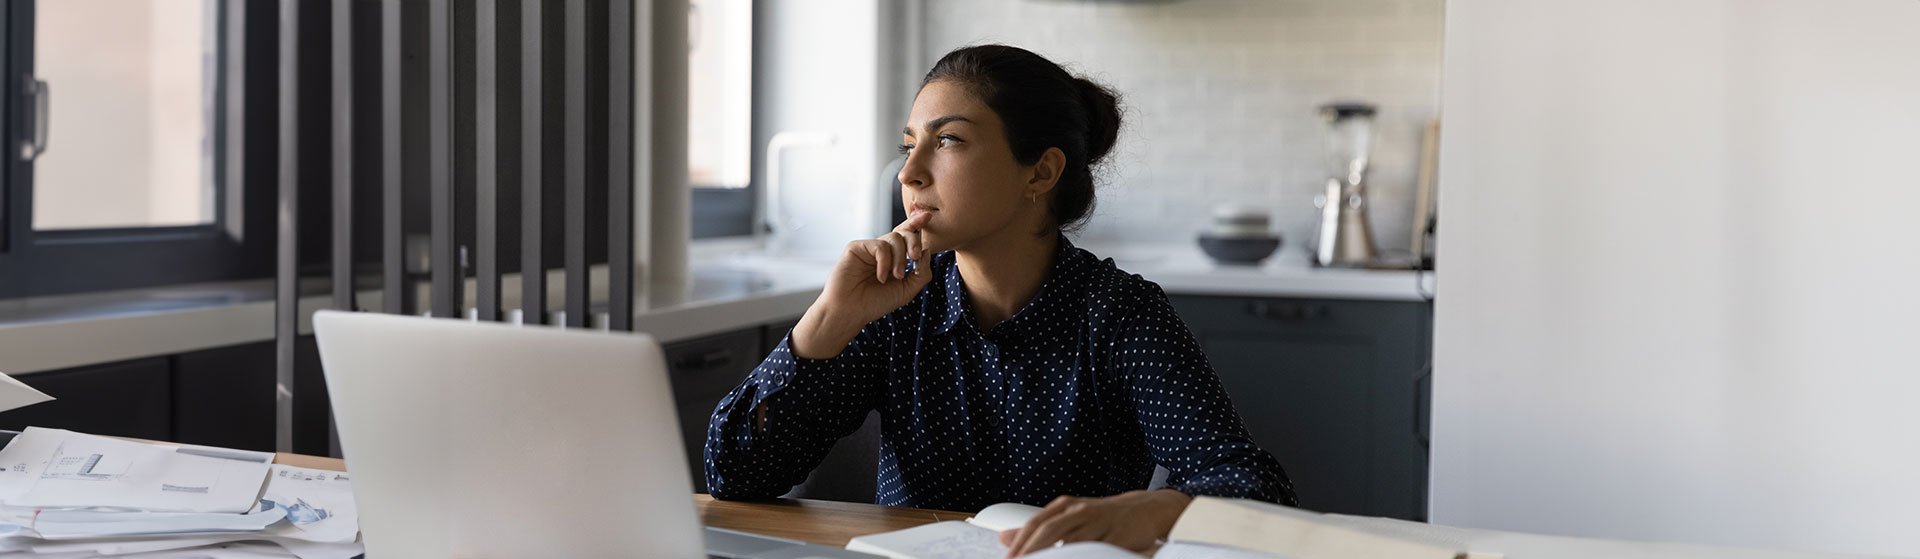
33	347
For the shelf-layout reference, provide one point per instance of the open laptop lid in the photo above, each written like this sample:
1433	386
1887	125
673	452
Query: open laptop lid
489	440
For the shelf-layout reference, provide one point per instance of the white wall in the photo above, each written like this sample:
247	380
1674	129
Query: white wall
1221	97
823	62
1678	301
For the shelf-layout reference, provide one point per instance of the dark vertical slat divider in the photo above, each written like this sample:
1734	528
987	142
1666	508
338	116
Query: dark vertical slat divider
286	289
486	157
343	175
620	165
575	107
533	278
394	292
444	254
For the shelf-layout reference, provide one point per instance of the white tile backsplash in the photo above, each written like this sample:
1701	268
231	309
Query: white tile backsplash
1221	98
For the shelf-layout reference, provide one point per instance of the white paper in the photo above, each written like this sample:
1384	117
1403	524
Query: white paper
93	471
217	452
1086	550
144	544
939	540
237	550
316	550
25	457
318	504
1004	516
76	524
150	544
14	394
288	512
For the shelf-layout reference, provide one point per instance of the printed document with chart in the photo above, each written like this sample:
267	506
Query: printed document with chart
91	471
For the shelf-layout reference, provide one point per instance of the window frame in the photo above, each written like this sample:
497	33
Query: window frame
67	261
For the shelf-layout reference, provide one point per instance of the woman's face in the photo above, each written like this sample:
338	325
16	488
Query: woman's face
960	167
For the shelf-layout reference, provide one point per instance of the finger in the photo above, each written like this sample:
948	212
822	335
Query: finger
1087	532
1053	531
911	230
914	250
916	221
882	260
898	243
917	281
1008	536
1054	508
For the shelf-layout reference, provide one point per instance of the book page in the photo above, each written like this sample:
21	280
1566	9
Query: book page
1193	550
1004	516
1086	550
952	539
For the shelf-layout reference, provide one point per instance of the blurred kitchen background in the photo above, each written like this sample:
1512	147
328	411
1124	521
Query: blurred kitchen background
1627	269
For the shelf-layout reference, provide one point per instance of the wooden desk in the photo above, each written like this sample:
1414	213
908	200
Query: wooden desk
306	461
819	522
827	523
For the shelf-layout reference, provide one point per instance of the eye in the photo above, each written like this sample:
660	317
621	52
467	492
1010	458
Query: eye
904	148
946	139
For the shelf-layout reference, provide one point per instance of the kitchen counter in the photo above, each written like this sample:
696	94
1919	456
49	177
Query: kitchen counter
1182	269
728	289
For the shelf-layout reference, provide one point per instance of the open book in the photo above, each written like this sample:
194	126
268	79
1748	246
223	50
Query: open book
1211	528
976	537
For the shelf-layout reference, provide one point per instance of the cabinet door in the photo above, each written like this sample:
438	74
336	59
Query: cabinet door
1334	389
126	399
224	397
703	371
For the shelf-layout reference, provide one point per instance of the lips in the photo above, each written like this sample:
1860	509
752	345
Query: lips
919	207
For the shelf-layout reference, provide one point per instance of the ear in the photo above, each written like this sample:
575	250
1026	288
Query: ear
1046	173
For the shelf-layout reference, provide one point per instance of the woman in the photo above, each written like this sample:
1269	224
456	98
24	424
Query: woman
1007	365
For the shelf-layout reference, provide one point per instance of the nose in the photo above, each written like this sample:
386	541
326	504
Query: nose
913	174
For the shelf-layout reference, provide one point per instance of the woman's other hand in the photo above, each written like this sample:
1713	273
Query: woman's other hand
1133	520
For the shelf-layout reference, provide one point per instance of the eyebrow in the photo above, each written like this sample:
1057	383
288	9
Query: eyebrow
935	124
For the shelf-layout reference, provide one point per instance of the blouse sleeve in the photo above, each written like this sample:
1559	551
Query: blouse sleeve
1190	425
808	404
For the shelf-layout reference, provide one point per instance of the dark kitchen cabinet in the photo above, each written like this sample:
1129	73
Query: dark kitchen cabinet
224	397
126	399
1337	390
702	371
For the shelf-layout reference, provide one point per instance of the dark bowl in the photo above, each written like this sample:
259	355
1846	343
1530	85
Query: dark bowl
1239	250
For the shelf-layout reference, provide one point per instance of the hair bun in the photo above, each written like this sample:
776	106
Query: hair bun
1103	117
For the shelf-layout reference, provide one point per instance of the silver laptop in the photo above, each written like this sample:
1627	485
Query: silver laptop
470	439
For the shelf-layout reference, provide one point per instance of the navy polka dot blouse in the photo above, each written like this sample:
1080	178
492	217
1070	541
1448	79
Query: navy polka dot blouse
1079	393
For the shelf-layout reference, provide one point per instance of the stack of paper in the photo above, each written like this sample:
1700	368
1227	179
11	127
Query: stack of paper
66	494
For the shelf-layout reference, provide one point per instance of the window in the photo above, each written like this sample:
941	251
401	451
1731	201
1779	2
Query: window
135	83
719	119
720	87
117	117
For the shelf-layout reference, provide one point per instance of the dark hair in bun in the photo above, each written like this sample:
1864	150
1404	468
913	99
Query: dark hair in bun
1042	106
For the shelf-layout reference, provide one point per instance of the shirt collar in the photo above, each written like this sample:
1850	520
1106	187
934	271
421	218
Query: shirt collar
1066	262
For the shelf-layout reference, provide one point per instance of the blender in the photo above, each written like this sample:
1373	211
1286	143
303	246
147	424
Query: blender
1344	239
